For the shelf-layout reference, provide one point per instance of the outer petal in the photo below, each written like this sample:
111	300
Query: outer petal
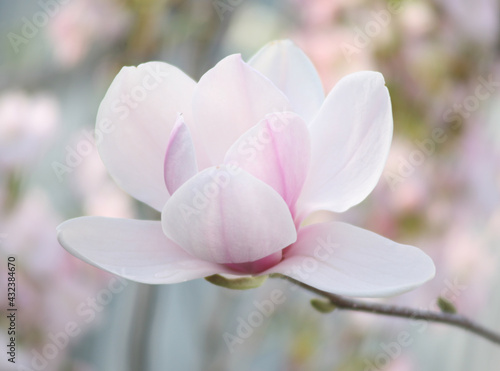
180	159
134	249
225	215
347	260
277	151
135	120
350	141
229	100
291	70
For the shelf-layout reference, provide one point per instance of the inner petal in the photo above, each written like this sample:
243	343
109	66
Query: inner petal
276	151
226	215
180	158
228	100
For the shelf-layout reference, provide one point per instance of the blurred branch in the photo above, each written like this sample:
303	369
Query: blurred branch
452	319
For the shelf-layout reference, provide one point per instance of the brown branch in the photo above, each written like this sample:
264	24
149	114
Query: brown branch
456	320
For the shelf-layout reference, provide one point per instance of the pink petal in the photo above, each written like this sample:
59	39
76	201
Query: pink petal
347	260
293	73
350	141
276	151
180	158
134	249
230	99
134	123
226	215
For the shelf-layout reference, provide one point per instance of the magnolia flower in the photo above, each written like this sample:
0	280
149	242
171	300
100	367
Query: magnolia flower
235	163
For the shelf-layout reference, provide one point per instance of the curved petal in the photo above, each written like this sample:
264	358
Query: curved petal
180	159
226	215
347	260
350	141
276	151
134	249
134	122
291	71
229	99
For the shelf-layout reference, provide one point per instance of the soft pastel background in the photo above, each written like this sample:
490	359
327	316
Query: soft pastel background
441	196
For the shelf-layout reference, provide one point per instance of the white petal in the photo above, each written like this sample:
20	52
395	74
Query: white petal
347	260
180	159
230	99
291	70
350	141
135	120
276	151
134	249
226	215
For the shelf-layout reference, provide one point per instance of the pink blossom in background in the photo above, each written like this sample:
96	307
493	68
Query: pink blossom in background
477	20
27	125
324	38
417	20
48	298
80	24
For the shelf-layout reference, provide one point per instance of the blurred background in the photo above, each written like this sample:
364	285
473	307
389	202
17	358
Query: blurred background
440	190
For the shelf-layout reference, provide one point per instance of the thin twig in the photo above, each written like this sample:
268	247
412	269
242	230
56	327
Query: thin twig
456	320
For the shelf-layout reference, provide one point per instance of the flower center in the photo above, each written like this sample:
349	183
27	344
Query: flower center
257	266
